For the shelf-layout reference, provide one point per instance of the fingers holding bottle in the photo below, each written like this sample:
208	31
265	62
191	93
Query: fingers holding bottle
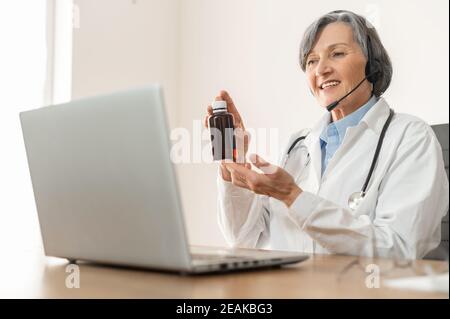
209	112
231	108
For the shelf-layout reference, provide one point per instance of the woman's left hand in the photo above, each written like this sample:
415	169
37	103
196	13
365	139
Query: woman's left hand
273	181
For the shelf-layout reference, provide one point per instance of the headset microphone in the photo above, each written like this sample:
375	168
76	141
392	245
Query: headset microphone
335	103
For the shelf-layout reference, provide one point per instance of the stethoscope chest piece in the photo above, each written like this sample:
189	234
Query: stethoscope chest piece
355	199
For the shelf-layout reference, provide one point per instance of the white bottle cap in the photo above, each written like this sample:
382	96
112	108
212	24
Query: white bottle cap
218	106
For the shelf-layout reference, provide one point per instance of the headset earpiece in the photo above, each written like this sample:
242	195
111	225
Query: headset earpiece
372	67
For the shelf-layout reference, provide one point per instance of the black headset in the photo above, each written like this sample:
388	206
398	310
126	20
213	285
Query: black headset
373	68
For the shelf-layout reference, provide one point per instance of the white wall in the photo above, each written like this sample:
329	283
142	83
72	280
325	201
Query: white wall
126	43
250	48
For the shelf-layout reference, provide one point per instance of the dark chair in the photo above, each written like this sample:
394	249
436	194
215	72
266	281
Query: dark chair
441	252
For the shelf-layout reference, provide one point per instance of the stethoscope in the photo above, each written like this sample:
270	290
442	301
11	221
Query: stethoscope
356	198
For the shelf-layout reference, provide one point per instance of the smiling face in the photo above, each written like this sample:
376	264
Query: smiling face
335	65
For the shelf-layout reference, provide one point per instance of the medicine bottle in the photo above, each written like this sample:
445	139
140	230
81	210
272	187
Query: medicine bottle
222	132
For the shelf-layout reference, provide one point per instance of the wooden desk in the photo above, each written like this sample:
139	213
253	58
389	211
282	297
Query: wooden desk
31	275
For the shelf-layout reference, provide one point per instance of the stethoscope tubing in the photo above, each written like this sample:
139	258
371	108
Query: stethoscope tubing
374	159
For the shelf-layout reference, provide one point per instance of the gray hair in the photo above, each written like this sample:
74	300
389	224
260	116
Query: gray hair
367	38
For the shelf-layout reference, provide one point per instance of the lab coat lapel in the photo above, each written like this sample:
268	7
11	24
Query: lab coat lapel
377	116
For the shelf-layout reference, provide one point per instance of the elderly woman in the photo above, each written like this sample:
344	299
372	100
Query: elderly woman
364	180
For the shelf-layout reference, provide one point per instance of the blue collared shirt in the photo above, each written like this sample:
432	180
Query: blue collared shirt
333	134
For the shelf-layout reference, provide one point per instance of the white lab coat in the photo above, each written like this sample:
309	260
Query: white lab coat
400	216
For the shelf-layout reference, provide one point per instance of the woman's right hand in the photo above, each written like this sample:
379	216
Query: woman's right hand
242	137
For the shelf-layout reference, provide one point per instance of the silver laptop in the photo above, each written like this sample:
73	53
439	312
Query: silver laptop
106	191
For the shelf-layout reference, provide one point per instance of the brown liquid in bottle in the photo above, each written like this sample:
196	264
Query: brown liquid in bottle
222	133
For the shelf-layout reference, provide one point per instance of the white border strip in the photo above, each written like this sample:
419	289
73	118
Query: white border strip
60	25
